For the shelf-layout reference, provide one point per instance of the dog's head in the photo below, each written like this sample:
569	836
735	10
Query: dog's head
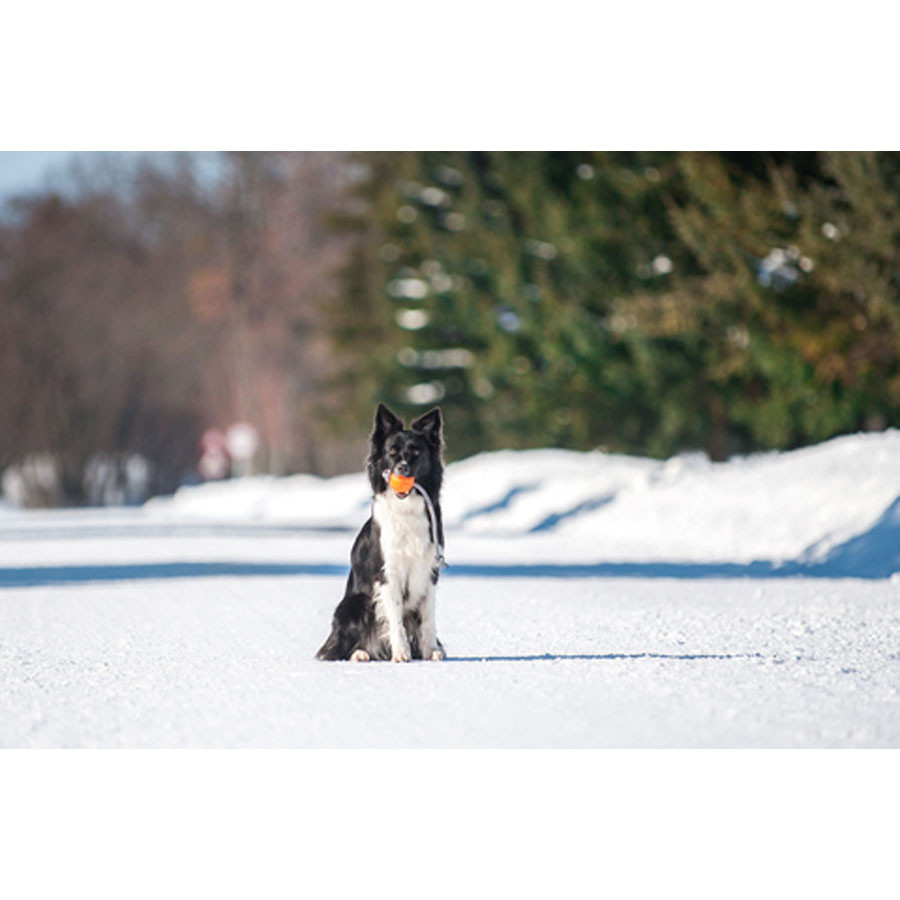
414	452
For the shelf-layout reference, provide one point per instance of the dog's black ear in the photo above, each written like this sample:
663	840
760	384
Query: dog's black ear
386	423
429	425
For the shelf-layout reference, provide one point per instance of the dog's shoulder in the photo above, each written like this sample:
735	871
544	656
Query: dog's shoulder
367	540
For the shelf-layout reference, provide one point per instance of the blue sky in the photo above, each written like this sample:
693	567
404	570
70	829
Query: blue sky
25	171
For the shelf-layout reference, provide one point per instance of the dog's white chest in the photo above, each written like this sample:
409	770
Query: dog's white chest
409	554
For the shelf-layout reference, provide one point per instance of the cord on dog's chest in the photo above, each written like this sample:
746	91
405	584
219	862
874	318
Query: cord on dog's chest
432	520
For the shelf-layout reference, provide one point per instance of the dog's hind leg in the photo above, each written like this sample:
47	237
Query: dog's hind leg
352	624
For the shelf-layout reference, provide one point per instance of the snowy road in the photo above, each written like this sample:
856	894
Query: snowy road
125	630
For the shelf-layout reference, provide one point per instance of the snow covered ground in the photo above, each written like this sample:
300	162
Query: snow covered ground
592	601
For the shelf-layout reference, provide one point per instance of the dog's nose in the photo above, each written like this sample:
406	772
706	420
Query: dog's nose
402	467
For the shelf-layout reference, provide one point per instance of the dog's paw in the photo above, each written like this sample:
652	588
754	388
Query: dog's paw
438	654
359	656
400	651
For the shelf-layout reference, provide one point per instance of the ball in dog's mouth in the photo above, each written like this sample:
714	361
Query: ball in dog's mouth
401	486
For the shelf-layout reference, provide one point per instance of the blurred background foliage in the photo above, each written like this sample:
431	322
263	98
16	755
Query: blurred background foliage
639	302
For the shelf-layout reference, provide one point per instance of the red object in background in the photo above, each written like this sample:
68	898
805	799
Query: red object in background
215	460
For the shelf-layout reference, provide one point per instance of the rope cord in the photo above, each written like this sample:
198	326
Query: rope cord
432	520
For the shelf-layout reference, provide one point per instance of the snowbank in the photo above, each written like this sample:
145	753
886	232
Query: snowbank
592	600
834	507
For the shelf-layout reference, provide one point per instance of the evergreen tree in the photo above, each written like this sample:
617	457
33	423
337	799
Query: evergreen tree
497	287
643	302
794	310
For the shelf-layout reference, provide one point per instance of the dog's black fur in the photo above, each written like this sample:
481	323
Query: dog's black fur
360	627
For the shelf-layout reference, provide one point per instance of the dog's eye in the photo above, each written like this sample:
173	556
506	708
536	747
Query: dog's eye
394	451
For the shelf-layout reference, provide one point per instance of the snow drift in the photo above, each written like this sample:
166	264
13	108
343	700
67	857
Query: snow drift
592	600
831	509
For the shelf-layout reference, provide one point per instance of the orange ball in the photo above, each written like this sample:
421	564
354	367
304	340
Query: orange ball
400	484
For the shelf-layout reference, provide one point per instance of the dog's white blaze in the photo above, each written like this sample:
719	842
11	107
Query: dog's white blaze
409	557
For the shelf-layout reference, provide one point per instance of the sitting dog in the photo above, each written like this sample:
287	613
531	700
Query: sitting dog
388	606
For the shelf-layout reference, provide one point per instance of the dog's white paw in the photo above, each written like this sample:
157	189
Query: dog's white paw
438	655
400	651
359	656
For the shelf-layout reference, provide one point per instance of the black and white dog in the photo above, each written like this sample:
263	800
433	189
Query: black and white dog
388	606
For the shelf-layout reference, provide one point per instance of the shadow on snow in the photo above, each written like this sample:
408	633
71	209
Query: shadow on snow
42	576
551	657
45	576
873	554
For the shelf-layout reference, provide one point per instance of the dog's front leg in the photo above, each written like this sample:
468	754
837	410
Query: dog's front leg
428	642
389	602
